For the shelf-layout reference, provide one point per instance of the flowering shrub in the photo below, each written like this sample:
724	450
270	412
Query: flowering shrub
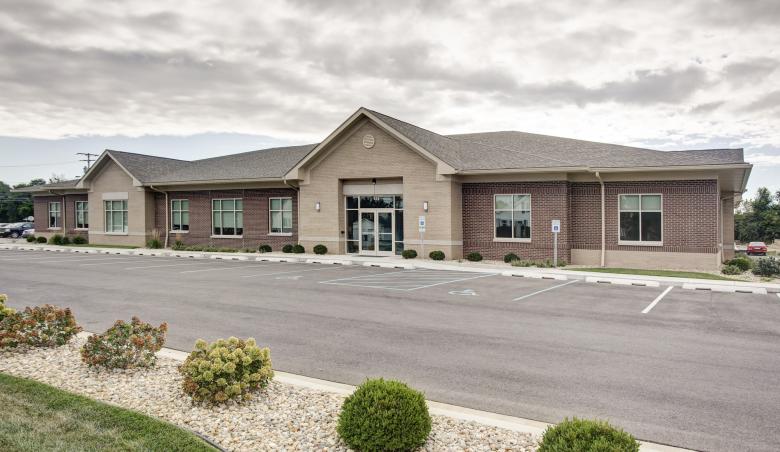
4	311
125	345
39	326
226	370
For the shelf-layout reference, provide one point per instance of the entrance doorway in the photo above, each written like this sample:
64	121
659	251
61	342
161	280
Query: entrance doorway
374	225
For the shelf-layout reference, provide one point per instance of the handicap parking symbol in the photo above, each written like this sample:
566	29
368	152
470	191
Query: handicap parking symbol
466	292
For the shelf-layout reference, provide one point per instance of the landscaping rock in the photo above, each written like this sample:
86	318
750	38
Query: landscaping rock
282	417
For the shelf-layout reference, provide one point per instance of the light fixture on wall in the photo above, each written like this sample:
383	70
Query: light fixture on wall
317	206
425	206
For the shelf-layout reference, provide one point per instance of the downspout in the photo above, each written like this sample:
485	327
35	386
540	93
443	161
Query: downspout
603	222
298	207
167	213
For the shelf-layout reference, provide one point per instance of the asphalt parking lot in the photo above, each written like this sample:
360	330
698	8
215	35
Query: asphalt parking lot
690	368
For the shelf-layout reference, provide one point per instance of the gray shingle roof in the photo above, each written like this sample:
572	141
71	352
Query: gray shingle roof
50	186
146	168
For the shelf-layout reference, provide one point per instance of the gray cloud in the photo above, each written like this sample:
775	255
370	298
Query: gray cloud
750	71
769	101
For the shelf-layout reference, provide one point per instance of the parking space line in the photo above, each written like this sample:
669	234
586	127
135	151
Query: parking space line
121	259
453	281
545	290
334	281
167	265
229	267
657	299
293	271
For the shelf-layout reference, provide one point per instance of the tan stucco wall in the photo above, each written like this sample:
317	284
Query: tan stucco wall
112	179
389	158
647	259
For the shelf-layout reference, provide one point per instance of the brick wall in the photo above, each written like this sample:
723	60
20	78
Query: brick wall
549	200
690	215
41	214
255	217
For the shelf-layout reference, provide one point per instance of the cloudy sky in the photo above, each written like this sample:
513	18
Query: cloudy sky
191	79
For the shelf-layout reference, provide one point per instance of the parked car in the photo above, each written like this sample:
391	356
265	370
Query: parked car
28	232
15	230
758	248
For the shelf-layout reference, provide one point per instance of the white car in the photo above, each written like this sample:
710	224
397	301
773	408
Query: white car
28	232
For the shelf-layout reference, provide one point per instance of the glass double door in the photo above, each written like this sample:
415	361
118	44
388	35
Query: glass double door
376	232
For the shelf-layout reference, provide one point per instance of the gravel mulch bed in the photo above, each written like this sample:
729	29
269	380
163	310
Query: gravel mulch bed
283	417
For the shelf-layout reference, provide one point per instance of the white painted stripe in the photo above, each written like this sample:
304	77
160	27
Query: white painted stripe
364	276
121	259
545	290
657	299
453	281
217	269
167	265
293	271
76	259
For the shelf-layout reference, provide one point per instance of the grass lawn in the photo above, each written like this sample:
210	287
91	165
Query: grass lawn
39	417
671	273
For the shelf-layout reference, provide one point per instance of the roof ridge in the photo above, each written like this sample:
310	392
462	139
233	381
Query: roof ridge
147	155
255	150
563	138
409	124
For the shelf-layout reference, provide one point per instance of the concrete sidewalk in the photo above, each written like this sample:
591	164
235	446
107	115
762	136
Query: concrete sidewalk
410	264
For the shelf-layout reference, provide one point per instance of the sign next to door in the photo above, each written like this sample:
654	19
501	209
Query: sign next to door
421	223
556	225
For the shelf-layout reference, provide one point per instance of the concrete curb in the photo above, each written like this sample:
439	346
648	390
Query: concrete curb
513	423
392	262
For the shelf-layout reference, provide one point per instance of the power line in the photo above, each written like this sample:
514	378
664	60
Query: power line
88	158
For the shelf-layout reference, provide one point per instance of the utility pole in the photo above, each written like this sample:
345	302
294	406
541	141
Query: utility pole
88	159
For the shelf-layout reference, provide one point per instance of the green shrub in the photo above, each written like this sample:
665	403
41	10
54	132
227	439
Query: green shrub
474	257
30	238
409	254
125	345
264	248
436	255
287	248
731	270
154	244
581	435
226	250
521	263
41	239
178	245
5	311
510	257
743	262
767	266
384	415
247	250
298	249
226	370
39	326
320	249
56	239
79	240
561	263
65	240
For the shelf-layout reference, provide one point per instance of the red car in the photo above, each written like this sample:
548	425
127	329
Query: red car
756	248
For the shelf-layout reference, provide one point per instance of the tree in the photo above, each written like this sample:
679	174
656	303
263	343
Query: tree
16	206
758	219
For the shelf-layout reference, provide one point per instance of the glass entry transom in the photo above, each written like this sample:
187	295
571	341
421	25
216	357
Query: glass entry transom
375	225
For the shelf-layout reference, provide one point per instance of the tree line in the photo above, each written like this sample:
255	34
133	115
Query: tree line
758	219
16	206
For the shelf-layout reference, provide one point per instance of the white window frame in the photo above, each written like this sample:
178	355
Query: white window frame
235	218
83	208
530	218
125	217
270	212
180	211
640	242
58	215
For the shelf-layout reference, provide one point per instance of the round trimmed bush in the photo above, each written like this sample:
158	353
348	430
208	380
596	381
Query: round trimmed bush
731	270
767	266
509	258
474	257
79	240
436	255
41	239
320	249
38	326
287	248
125	345
743	262
409	254
298	249
582	435
264	248
30	238
384	415
65	240
225	370
56	239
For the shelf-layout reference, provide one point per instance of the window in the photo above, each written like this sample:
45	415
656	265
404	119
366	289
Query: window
513	217
54	215
82	215
180	215
116	216
641	219
227	217
280	215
